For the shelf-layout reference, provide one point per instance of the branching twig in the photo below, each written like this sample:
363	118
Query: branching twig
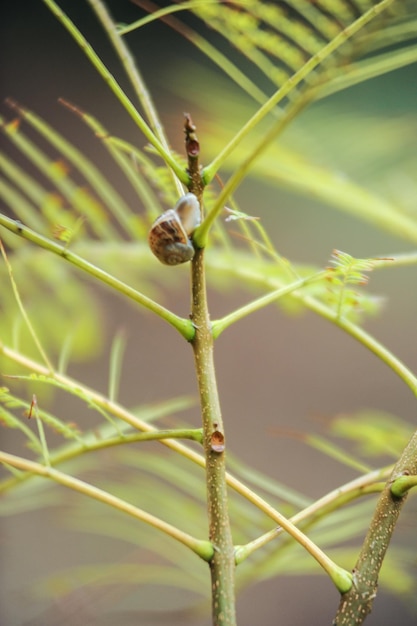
357	603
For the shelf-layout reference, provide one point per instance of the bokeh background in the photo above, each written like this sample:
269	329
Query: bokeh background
276	373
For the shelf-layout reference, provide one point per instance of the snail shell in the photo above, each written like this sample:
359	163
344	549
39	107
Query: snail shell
169	237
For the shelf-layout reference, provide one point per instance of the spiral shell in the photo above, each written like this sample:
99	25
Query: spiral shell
169	237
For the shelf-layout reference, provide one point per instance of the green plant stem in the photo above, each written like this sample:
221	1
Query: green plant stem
211	170
222	566
117	90
201	234
135	77
93	397
364	70
357	603
70	451
90	442
222	61
364	485
220	325
23	311
184	326
209	397
157	15
201	547
397	260
367	340
340	577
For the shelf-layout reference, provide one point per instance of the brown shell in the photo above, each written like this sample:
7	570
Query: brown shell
169	237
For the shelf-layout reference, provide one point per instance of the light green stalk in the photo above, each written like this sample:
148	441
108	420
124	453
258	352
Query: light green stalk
117	90
184	326
201	547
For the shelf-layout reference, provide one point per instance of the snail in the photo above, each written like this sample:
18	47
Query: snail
169	237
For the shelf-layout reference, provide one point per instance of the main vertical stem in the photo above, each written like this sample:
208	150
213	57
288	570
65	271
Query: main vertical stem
222	566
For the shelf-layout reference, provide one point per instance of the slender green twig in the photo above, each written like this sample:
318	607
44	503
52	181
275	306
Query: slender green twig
24	313
396	260
90	442
367	340
385	355
184	326
135	77
357	603
157	15
340	577
117	90
94	397
212	52
202	548
368	68
212	439
210	171
361	335
220	325
364	485
201	235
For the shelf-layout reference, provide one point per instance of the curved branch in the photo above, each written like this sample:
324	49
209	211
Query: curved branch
203	548
184	326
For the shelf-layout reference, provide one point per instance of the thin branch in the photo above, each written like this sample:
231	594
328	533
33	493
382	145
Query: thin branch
220	325
23	311
222	61
117	90
371	343
292	82
338	575
202	548
184	326
160	13
357	603
364	485
135	77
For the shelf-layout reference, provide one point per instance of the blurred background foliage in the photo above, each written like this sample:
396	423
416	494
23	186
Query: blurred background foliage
342	175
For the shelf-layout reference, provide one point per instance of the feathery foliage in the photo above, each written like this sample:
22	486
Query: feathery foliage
64	221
